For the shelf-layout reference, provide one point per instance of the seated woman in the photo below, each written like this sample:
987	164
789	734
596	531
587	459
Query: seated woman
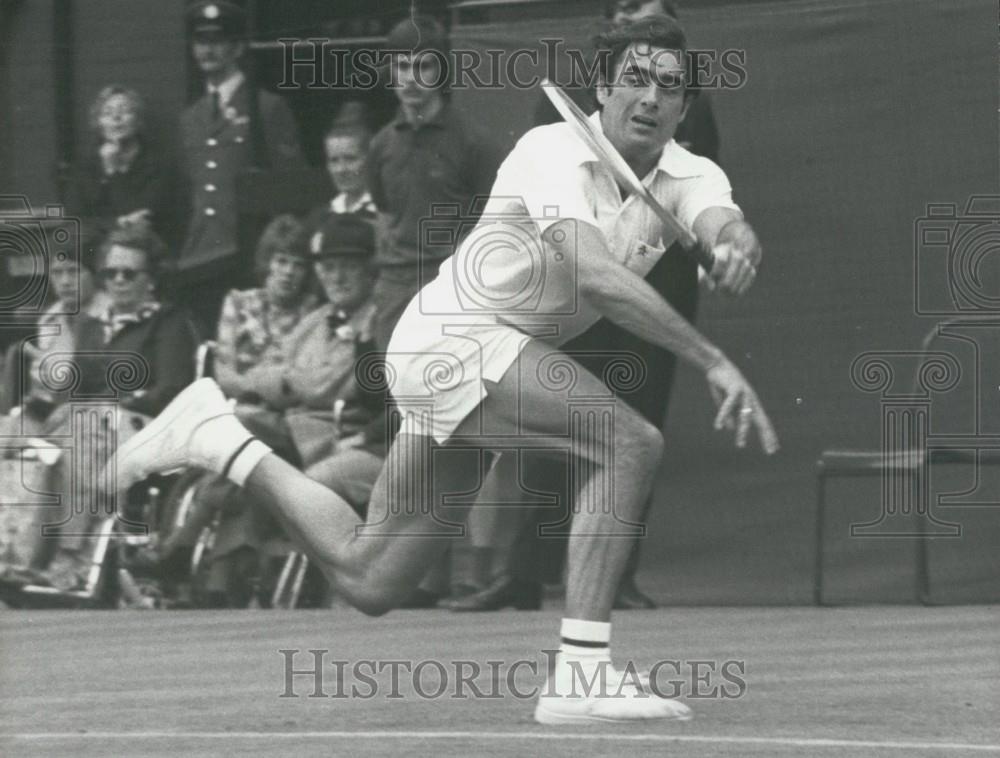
313	410
255	323
136	355
23	395
26	402
122	182
253	328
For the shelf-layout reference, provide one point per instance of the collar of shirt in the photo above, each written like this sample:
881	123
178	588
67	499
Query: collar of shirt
113	322
438	119
364	203
674	160
227	88
356	325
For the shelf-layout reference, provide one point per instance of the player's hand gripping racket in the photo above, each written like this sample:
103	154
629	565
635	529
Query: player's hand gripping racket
606	153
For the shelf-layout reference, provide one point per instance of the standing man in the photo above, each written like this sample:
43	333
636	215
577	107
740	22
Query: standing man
474	376
426	158
228	130
428	161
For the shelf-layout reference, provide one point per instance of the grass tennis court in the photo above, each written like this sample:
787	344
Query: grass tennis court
879	681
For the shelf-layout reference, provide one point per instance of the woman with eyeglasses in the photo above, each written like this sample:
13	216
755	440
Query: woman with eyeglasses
132	358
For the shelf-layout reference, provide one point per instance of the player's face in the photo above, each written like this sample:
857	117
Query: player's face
345	162
417	78
633	10
346	280
118	119
644	103
216	56
126	278
285	275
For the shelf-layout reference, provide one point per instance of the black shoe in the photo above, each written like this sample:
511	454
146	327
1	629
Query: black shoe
503	592
631	598
420	598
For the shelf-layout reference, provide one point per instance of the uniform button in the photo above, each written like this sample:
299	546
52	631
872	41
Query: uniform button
211	142
209	188
210	211
210	164
239	140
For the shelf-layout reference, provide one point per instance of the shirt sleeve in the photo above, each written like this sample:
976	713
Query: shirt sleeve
550	182
709	190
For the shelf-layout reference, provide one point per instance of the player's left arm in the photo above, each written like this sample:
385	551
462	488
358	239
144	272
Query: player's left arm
735	246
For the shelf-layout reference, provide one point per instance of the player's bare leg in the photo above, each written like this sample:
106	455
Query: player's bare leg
375	564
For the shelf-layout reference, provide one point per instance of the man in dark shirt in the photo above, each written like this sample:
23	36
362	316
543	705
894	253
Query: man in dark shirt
427	162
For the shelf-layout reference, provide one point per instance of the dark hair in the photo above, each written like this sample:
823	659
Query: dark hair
135	238
284	234
656	31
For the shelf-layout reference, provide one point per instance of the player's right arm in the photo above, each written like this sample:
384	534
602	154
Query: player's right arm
629	301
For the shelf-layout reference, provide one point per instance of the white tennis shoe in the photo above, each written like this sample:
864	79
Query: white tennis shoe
176	438
620	700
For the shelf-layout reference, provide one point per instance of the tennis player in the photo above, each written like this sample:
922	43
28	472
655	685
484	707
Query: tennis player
474	367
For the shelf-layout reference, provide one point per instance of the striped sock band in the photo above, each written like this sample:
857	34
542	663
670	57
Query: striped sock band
244	460
587	638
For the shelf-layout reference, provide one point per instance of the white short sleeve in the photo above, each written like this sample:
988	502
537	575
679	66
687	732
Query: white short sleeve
545	172
711	189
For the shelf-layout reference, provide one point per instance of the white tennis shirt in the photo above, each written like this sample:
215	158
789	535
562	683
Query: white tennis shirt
504	283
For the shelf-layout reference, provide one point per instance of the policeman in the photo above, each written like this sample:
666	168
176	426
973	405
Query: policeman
229	129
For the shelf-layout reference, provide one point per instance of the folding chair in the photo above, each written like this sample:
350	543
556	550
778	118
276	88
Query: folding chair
905	470
92	594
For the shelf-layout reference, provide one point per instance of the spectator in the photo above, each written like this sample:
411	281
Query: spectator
26	402
426	157
230	129
123	182
23	392
255	323
346	150
308	407
134	324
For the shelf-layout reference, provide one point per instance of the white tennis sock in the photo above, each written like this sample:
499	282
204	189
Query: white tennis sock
584	650
227	447
245	460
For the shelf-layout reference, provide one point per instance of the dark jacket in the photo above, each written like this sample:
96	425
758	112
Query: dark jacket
160	348
217	151
99	199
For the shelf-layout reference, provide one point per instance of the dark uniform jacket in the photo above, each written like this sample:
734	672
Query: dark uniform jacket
216	152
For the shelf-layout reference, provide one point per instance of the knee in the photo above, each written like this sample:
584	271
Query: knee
366	596
372	604
642	443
